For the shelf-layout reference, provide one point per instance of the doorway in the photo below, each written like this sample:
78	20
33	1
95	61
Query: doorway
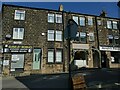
96	59
37	59
80	59
103	59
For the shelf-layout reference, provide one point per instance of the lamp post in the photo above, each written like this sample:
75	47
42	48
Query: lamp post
70	34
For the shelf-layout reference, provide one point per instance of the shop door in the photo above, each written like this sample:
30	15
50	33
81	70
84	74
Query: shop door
36	59
103	59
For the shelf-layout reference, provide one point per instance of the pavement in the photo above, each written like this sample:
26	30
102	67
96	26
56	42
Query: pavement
12	82
37	81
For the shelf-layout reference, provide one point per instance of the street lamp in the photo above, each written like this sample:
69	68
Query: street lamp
70	34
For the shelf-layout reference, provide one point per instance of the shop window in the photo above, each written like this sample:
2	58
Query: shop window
82	21
83	37
50	55
115	25
51	18
18	33
58	55
58	36
75	18
50	35
19	15
17	61
109	24
58	18
90	21
115	57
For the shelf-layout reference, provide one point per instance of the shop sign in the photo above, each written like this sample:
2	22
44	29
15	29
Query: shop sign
80	46
107	48
18	48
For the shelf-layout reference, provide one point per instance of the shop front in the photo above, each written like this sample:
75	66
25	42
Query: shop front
110	57
15	57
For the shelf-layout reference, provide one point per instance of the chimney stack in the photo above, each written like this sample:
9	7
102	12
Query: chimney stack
103	14
61	7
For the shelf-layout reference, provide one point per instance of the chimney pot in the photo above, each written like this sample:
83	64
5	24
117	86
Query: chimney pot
61	7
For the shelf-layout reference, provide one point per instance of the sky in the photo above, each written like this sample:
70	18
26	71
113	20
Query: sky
92	8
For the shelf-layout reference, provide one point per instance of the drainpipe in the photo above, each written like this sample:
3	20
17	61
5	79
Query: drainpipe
63	41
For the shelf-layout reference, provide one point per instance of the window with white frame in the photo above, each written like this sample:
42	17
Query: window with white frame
109	24
99	22
58	18
50	55
82	21
114	25
75	18
90	21
50	35
58	55
19	15
91	36
83	37
58	36
116	38
111	39
51	18
18	33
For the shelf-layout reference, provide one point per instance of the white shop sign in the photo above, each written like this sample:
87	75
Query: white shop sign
105	48
80	46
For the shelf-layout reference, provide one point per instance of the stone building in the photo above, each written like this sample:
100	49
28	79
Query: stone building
109	41
33	40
